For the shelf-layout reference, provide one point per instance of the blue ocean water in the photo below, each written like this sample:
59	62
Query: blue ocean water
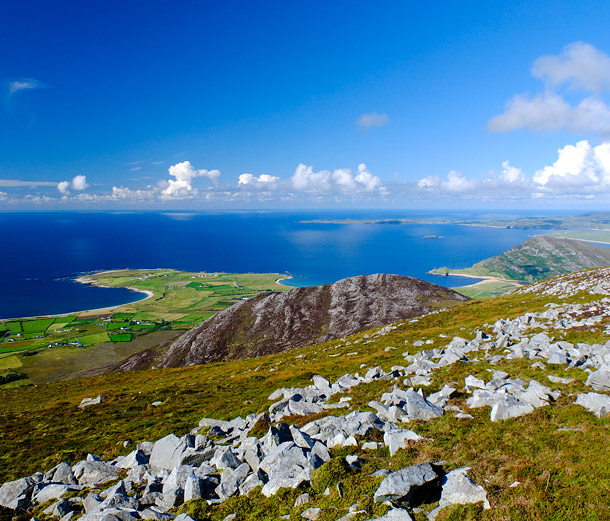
43	252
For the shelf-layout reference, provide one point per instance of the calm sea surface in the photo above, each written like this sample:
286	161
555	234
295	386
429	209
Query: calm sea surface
43	252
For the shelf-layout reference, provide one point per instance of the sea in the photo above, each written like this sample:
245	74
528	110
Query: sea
43	252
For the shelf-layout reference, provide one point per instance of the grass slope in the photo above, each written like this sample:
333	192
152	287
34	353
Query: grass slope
557	453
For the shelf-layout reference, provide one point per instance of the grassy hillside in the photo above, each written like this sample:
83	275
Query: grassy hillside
536	259
556	454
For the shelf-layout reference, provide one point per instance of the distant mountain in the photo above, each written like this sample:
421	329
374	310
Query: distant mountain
277	322
538	258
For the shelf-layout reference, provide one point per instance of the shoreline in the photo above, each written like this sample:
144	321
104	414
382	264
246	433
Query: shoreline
279	281
483	277
84	280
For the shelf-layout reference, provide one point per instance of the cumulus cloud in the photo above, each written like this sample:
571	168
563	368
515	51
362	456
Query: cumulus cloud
263	181
184	173
372	119
580	171
342	180
305	179
3	196
79	183
579	167
454	183
579	66
24	84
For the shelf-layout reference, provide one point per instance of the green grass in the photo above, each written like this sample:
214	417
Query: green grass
14	326
122	337
36	326
96	338
116	325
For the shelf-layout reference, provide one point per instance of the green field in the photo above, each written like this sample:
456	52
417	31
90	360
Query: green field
36	326
14	327
116	325
180	301
122	337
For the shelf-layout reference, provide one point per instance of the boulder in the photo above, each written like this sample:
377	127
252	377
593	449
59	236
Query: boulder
458	488
14	494
166	453
94	472
230	485
398	439
407	486
509	408
600	379
599	404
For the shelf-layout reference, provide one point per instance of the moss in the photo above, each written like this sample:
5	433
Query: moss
332	472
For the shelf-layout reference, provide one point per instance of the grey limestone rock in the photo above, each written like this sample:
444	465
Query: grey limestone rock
600	379
401	487
11	491
311	514
230	485
458	488
597	403
396	514
166	452
303	499
94	472
398	439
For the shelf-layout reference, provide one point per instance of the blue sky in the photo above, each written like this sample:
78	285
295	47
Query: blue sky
204	105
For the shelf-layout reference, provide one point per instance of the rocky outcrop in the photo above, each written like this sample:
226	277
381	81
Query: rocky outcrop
277	322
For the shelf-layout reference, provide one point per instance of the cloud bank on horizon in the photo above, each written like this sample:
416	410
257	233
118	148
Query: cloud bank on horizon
571	99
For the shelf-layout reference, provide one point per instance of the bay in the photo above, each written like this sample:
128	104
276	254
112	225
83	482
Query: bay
43	252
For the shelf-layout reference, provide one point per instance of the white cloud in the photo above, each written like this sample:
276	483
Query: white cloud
79	183
366	180
455	183
120	192
306	180
544	112
342	180
372	119
579	167
263	181
550	112
580	65
511	174
182	187
24	84
3	196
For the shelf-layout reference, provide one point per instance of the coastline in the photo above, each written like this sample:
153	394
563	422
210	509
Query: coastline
279	281
483	277
84	280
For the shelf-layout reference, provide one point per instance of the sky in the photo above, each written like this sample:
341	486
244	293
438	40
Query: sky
285	105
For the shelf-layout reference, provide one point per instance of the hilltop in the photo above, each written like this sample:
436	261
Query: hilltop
514	387
268	324
536	259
